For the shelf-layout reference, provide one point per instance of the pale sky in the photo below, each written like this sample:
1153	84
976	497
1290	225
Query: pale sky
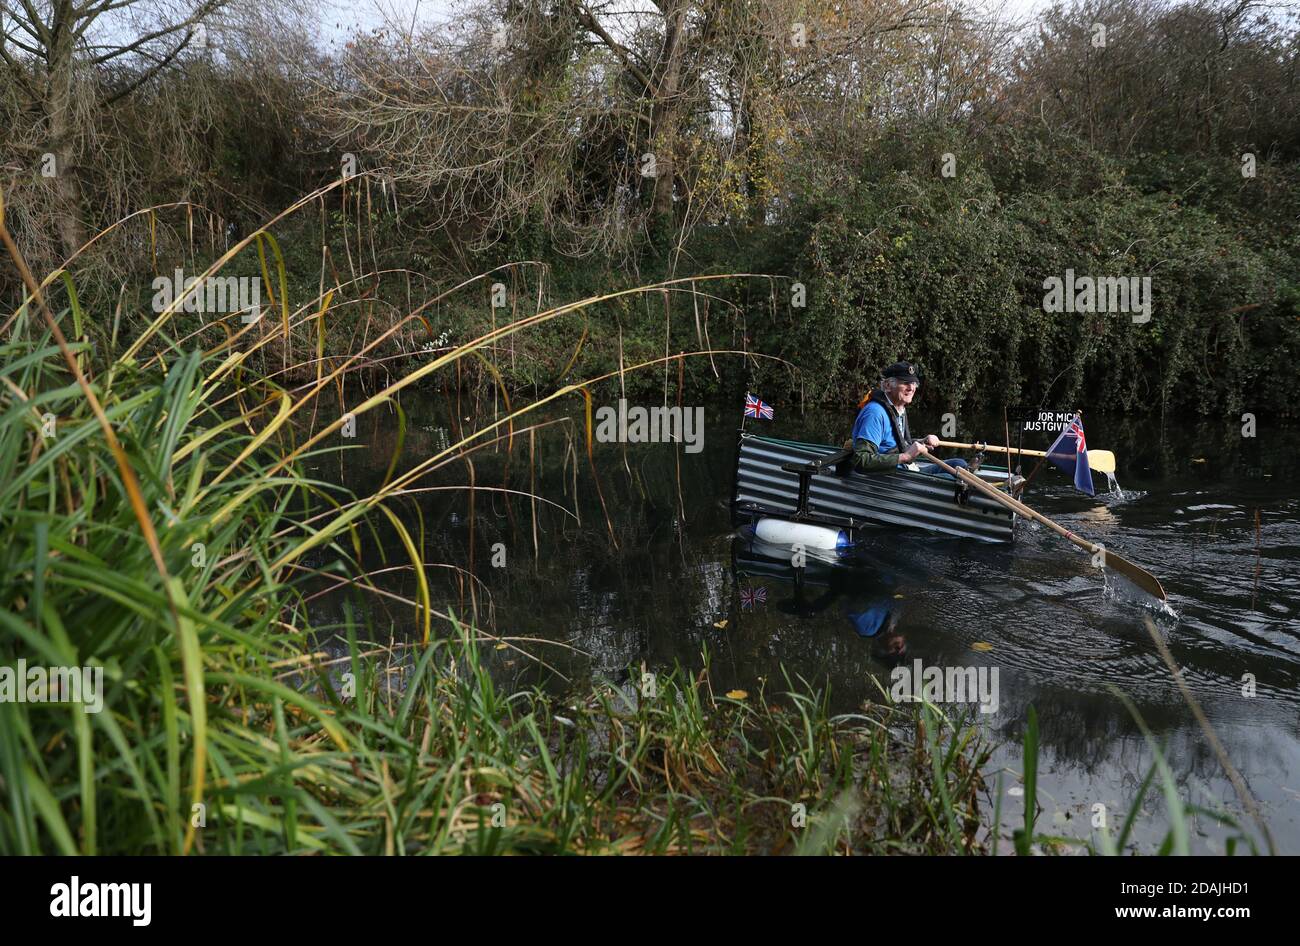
338	20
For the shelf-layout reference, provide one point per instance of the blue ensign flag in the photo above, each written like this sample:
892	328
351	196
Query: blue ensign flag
1070	453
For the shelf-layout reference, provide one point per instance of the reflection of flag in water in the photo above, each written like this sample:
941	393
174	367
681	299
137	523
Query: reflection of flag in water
751	596
1070	453
756	408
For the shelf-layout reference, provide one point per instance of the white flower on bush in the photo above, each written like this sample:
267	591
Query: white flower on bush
439	342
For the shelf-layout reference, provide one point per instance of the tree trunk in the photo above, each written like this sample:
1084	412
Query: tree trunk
666	115
58	106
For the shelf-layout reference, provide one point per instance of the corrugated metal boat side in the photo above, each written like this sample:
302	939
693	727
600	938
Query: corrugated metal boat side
901	498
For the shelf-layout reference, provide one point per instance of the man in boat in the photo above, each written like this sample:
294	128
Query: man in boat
881	439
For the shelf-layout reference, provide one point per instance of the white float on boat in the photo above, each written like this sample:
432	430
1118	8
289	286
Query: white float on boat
784	532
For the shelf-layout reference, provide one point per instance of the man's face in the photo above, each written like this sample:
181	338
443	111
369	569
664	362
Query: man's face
904	391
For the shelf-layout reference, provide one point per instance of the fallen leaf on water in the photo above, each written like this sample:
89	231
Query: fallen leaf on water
502	646
898	596
736	694
980	645
722	623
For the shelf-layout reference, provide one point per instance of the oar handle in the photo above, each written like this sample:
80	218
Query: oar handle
988	446
1101	461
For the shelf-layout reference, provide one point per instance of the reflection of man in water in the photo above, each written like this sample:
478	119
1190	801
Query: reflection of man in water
875	617
880	623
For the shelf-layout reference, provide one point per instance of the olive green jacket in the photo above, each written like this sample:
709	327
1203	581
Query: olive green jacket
868	458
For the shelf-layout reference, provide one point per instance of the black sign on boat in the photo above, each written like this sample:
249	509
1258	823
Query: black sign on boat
1040	419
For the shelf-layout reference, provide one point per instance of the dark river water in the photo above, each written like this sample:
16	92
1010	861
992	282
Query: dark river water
642	564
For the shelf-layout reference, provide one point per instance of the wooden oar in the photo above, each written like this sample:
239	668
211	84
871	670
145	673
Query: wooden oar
1137	575
1102	461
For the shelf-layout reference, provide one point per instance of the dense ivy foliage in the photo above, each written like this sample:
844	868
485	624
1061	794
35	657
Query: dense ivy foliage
949	271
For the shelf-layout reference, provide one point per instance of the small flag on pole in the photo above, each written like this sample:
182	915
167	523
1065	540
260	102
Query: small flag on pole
756	408
1070	454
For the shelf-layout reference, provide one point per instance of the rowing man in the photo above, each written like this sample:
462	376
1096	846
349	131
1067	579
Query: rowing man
881	439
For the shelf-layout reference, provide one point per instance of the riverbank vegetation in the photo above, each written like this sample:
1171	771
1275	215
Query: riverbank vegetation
160	526
477	213
909	173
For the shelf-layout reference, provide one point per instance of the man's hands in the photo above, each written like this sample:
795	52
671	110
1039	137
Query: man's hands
917	448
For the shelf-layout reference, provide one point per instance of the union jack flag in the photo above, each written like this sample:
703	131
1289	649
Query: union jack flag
1076	428
756	408
751	596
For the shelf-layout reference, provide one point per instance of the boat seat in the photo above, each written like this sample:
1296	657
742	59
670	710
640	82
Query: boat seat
835	464
838	463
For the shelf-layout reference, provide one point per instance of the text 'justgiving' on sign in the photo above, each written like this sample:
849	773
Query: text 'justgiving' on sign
1048	421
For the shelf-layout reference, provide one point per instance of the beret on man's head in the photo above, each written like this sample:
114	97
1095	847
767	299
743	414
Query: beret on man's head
903	371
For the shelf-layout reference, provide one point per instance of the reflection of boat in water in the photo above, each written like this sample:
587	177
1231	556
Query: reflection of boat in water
751	556
873	580
867	595
814	485
878	555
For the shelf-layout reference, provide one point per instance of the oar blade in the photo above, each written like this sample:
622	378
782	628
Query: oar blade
1101	461
1136	575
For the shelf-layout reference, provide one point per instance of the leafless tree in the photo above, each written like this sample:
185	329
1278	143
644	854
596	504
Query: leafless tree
1153	75
67	63
601	119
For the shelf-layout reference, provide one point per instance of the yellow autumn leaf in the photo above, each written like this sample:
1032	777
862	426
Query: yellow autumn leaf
721	624
980	645
502	646
736	694
898	596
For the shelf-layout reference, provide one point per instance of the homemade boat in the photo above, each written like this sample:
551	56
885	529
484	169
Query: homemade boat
807	493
